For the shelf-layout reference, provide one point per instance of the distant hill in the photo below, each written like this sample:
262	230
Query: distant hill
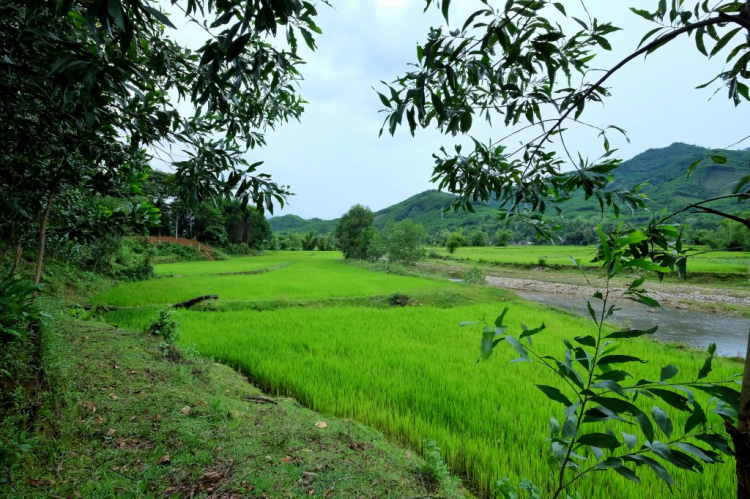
425	208
665	172
663	169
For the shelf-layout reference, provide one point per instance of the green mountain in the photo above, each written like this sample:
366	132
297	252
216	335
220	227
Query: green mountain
664	170
425	208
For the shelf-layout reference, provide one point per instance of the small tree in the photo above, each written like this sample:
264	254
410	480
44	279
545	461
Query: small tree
502	237
402	241
455	241
309	241
355	231
478	237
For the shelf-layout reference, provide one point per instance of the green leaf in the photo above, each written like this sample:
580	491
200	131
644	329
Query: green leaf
445	6
619	359
706	368
654	465
499	320
587	341
158	15
697	418
662	420
519	348
601	440
646	427
532	332
628	473
630	440
634	333
555	394
643	13
723	42
674	399
668	372
718	159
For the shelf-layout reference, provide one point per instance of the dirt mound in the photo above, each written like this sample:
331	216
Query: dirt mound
201	247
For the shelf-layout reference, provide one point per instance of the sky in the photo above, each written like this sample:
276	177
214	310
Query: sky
333	158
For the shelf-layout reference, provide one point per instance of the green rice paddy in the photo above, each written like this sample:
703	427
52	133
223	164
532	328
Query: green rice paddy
408	371
720	262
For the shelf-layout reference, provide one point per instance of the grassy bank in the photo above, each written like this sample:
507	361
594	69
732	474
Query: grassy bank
731	263
125	417
410	371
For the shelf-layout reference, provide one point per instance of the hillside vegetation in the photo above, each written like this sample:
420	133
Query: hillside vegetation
664	170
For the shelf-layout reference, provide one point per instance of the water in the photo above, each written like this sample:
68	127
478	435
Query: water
695	328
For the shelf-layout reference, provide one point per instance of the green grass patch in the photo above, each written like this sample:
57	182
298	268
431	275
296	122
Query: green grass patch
720	262
322	332
127	421
309	276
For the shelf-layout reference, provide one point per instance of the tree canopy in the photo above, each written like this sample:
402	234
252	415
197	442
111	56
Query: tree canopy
93	91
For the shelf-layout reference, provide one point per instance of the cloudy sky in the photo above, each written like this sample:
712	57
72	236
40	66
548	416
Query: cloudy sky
334	159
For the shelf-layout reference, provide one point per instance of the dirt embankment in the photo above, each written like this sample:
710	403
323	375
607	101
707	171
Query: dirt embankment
660	293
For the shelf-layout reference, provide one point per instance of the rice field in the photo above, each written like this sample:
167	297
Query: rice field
411	372
306	276
720	262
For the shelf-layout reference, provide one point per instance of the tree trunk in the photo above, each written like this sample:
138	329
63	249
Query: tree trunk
741	434
16	259
43	237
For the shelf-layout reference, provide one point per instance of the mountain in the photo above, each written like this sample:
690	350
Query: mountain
425	208
664	170
664	173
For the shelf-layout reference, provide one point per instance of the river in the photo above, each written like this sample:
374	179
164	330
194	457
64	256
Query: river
694	328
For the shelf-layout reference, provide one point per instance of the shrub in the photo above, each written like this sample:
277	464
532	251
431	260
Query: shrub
475	275
163	324
398	300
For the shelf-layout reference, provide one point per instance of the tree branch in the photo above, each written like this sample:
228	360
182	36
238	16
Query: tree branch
643	50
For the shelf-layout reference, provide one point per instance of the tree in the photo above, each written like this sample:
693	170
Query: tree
88	98
502	236
514	62
355	231
309	241
402	241
454	241
478	237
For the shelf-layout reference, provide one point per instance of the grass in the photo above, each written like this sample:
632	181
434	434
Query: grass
129	421
410	373
309	276
720	262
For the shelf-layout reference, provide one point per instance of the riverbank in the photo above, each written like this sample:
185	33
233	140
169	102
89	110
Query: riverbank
731	296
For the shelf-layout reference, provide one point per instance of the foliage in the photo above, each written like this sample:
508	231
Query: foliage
309	241
477	237
164	325
515	61
454	241
398	300
354	232
102	372
595	389
475	275
402	242
502	237
17	310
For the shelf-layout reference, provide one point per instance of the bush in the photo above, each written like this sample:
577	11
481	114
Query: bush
138	272
455	241
163	324
475	275
398	300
